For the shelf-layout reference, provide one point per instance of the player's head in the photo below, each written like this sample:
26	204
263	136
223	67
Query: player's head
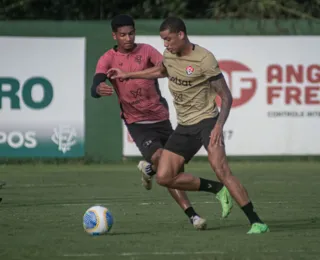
123	31
174	33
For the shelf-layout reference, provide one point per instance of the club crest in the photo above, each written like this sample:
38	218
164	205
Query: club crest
189	70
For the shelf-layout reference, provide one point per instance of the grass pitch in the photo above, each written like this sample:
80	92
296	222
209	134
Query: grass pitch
42	208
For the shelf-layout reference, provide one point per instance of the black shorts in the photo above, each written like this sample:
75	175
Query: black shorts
187	140
150	137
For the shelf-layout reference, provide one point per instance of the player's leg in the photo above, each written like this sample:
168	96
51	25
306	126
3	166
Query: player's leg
150	139
147	141
180	149
160	131
149	168
183	144
218	161
180	196
168	176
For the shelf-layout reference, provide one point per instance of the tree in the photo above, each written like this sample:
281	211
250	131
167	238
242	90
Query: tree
158	9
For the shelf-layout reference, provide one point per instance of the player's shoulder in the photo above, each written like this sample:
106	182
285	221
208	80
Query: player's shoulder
146	47
202	52
107	54
168	54
147	50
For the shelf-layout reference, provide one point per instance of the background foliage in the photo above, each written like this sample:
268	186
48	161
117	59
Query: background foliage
154	9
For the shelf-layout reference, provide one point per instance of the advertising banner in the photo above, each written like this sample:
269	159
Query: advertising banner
42	86
275	83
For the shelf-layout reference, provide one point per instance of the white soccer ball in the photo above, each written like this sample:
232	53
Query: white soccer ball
97	220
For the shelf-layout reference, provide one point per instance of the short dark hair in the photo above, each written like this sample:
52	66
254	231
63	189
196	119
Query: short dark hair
173	24
120	21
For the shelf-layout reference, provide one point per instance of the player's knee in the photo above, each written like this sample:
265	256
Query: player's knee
168	168
164	179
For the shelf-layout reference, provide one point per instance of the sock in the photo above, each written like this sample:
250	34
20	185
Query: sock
190	213
210	186
251	214
149	170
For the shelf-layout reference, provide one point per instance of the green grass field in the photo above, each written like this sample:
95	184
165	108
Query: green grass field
43	205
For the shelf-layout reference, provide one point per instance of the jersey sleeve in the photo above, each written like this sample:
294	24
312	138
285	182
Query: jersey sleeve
164	60
209	66
155	56
104	64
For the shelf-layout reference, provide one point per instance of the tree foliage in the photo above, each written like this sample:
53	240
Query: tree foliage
158	9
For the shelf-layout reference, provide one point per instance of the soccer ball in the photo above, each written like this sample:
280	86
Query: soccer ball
97	220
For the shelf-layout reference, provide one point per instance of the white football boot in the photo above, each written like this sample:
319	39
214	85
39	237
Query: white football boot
199	223
146	179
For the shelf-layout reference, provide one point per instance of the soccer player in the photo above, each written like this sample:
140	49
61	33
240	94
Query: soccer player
194	81
143	109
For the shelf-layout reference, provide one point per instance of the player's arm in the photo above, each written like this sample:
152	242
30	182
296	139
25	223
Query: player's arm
97	80
219	84
155	57
210	68
156	72
99	87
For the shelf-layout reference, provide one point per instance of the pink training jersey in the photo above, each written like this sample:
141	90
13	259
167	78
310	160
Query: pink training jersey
140	99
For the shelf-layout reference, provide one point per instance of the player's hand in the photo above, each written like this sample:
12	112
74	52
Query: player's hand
115	73
216	136
104	90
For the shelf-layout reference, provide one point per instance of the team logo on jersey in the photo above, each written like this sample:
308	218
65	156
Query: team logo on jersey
177	97
138	59
189	70
136	93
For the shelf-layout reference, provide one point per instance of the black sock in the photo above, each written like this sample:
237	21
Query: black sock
251	214
190	213
149	170
210	186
